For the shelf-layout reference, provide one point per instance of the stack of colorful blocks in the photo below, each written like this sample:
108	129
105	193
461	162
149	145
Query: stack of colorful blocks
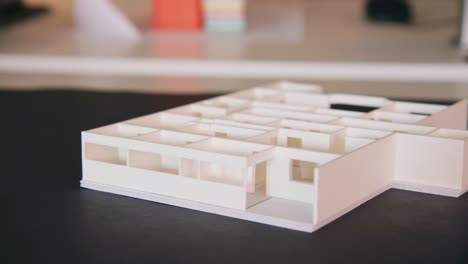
224	15
193	15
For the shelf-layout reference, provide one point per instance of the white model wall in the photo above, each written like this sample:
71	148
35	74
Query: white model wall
454	117
165	184
348	181
311	141
320	142
433	162
280	185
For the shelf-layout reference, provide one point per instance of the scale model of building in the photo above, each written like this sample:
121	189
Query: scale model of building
282	154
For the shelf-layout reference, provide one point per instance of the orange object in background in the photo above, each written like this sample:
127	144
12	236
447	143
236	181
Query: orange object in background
177	15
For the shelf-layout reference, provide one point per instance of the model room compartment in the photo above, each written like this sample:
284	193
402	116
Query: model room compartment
163	120
106	154
154	161
224	131
122	130
172	138
217	172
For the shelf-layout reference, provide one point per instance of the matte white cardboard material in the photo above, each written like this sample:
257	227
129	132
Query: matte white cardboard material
283	154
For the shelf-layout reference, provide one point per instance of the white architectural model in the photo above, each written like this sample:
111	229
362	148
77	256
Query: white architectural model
282	154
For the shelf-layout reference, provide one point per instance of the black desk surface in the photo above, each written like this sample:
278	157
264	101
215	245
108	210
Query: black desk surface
49	219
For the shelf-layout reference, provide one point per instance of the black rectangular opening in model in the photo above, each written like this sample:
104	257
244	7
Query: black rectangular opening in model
356	108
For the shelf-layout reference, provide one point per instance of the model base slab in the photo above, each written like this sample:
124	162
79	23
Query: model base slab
282	154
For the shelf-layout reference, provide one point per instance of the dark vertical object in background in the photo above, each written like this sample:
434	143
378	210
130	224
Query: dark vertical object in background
457	38
12	11
389	11
461	25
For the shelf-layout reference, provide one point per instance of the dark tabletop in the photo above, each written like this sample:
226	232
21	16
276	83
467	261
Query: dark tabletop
50	219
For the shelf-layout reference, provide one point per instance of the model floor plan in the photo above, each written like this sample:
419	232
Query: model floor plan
283	154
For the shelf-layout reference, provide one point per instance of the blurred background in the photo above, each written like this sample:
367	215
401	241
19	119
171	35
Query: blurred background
70	66
402	49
